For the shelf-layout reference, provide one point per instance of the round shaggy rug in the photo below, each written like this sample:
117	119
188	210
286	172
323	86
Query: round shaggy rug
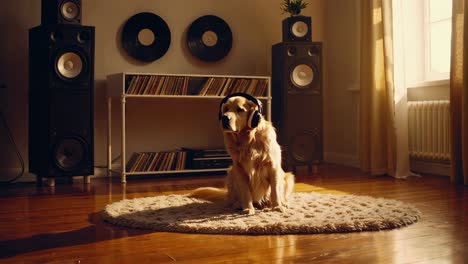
308	213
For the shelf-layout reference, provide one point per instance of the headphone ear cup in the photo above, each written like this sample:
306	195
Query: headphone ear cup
220	113
254	119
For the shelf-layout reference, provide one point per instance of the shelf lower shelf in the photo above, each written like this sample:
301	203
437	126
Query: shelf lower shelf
175	171
182	96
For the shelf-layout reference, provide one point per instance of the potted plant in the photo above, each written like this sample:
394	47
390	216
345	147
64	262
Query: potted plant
293	7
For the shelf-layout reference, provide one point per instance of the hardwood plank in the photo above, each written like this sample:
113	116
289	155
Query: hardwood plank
62	224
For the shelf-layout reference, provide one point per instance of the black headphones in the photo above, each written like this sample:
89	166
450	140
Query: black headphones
255	116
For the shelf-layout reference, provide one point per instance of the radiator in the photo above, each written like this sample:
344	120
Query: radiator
428	125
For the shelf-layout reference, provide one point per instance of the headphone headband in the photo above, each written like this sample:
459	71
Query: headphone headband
245	95
254	117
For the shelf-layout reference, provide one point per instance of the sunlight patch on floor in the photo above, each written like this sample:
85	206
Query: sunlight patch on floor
303	187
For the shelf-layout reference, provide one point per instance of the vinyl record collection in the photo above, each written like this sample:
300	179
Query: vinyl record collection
185	158
184	85
157	161
147	37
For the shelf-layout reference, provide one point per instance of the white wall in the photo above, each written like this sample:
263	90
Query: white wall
156	124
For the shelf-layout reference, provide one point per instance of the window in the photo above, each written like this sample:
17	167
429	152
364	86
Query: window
438	28
423	29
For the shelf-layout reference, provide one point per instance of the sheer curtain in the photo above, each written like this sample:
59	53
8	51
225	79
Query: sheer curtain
383	109
459	94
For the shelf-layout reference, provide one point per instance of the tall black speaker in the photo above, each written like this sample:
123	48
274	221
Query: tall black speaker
297	101
61	88
61	12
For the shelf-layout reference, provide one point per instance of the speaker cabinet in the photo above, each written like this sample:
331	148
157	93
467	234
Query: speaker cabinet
61	12
297	101
297	28
61	96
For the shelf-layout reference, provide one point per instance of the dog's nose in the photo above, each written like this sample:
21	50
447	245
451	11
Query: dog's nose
225	122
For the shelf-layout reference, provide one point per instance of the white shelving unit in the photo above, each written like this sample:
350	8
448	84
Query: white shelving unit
116	88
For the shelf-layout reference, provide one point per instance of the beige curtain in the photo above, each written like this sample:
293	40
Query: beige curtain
459	94
377	107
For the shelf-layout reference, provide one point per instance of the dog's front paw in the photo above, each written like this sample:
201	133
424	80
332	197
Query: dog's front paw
279	208
249	211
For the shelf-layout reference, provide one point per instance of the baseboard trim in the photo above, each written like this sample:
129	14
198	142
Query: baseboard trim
10	173
419	166
342	159
7	174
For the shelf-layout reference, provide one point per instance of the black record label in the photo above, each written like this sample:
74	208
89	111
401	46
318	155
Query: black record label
146	37
209	38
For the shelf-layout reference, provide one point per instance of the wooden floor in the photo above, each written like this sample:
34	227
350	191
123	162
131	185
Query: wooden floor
62	224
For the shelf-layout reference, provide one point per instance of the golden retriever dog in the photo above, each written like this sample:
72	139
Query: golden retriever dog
256	178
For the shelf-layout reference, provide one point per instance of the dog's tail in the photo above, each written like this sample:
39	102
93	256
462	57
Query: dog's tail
209	194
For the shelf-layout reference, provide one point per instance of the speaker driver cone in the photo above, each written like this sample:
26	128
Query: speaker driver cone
302	75
291	51
303	147
70	10
83	37
69	153
69	65
299	29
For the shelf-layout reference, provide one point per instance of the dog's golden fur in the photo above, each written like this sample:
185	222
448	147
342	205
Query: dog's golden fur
256	178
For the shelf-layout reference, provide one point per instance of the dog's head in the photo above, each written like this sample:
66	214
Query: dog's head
239	111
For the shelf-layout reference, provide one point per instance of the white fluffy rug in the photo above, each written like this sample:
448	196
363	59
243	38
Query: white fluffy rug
308	213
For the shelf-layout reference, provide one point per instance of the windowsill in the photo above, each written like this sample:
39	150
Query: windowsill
445	82
428	91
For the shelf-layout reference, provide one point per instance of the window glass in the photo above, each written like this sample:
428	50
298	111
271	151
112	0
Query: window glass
440	9
439	30
440	46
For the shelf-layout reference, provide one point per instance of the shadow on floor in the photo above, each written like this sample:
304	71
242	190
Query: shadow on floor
97	231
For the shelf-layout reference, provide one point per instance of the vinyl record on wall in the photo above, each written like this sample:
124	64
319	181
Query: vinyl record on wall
209	38
146	37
